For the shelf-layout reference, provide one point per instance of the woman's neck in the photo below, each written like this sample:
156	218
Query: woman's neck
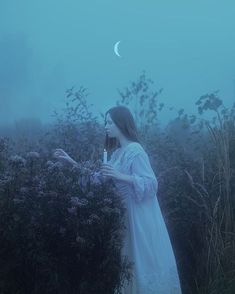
124	142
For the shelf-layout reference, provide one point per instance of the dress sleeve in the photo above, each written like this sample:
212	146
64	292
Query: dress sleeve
145	184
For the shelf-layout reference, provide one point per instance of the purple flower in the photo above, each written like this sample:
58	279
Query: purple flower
72	210
74	201
17	160
58	165
49	163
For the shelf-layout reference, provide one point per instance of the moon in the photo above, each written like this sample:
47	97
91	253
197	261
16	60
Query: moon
116	49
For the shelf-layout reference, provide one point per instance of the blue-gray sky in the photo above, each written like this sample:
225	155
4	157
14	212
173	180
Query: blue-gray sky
47	46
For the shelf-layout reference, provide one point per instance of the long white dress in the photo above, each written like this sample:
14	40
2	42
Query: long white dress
146	242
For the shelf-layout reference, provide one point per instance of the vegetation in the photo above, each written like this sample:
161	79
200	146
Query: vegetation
61	232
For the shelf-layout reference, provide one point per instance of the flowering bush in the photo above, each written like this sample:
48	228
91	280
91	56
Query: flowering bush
3	152
60	232
61	228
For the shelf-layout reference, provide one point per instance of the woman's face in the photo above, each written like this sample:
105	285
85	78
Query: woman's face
110	128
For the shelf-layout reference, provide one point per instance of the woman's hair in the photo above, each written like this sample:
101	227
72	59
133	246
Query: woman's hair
124	120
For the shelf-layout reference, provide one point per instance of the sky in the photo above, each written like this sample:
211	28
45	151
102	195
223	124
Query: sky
186	47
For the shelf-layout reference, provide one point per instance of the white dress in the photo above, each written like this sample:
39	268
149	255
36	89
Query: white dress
146	242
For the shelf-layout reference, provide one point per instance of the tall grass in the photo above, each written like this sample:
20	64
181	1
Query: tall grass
214	194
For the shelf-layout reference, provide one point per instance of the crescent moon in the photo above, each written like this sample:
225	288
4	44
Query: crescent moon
116	49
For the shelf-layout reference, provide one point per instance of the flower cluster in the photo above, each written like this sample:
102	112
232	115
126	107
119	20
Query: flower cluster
17	161
53	213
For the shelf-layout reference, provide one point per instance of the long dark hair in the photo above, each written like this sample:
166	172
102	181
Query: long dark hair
123	119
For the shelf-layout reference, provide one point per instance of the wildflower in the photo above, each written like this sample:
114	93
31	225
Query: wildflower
80	240
94	217
17	160
89	221
7	179
107	201
49	163
107	210
72	210
58	165
33	155
3	144
75	201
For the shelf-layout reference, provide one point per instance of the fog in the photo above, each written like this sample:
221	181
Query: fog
186	47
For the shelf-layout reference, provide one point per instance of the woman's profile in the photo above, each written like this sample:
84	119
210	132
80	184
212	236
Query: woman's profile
146	241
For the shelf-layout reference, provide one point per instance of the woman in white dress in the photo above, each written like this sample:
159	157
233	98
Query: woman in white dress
146	242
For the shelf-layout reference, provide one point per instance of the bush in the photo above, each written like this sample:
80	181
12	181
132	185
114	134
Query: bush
59	232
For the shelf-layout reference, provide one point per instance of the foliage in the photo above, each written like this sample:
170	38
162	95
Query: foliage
64	231
60	231
199	200
143	101
76	127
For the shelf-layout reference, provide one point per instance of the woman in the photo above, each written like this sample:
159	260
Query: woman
146	243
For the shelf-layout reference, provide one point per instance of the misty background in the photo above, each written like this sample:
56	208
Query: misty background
186	47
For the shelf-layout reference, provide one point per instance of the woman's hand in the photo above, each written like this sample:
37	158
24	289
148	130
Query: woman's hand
108	171
61	155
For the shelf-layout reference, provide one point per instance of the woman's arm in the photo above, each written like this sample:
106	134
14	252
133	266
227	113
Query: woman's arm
145	184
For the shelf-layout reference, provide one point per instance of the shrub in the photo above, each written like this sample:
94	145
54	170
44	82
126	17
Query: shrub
59	231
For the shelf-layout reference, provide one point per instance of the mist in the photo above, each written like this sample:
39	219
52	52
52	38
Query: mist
187	48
